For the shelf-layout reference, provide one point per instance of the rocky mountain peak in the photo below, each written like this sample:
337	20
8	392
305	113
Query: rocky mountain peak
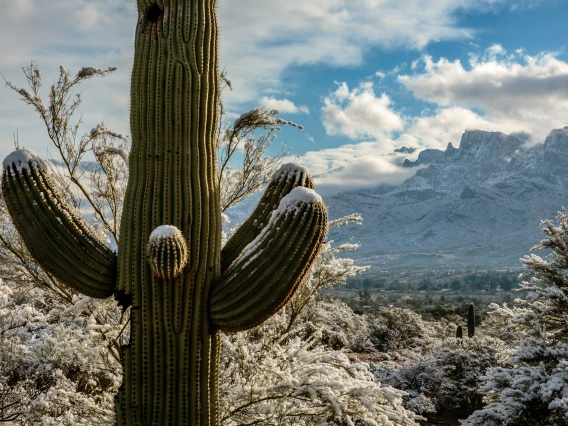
450	150
557	140
488	146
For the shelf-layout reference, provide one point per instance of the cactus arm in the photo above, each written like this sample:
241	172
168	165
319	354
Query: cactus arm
55	234
271	268
171	367
288	177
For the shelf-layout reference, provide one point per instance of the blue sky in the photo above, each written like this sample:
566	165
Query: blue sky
362	76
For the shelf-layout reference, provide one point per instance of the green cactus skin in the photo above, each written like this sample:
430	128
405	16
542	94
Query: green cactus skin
54	232
170	366
459	332
288	177
471	321
250	292
167	252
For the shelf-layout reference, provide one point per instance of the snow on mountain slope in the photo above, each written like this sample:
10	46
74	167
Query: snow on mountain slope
476	206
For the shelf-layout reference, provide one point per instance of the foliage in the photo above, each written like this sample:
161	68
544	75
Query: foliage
533	388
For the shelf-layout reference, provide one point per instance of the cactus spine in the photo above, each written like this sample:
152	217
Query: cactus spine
471	321
170	367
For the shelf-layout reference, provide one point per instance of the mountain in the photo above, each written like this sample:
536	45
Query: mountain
476	206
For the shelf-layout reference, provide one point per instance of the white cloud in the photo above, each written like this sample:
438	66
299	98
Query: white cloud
358	113
74	33
514	90
258	42
283	105
352	166
362	173
447	125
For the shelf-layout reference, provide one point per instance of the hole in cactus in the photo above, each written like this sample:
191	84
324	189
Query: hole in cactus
154	13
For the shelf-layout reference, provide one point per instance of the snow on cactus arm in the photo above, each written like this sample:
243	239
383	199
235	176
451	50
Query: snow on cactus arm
54	232
288	177
269	270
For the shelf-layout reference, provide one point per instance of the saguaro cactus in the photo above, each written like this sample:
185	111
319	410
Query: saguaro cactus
459	332
169	258
471	321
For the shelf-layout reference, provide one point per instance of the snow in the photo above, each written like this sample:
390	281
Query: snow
299	195
164	231
119	151
425	223
288	169
22	159
259	114
291	203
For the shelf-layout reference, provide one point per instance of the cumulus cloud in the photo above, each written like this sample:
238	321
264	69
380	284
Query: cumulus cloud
447	125
257	43
362	173
74	33
515	91
358	113
283	105
361	165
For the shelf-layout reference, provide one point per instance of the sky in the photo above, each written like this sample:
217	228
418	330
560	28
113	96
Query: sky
362	76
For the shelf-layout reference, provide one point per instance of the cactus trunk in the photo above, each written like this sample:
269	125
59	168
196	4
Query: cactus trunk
171	363
471	321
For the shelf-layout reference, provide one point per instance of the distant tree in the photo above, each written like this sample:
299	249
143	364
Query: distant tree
456	285
506	284
440	312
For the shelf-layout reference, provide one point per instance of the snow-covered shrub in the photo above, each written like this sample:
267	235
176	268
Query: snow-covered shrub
419	377
289	381
396	329
462	362
533	388
336	322
55	367
421	405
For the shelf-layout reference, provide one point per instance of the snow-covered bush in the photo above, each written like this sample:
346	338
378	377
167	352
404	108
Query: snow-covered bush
275	380
397	329
533	388
55	367
462	362
292	371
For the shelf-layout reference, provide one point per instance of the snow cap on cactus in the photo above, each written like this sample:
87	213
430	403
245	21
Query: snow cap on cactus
299	195
289	168
23	159
167	252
